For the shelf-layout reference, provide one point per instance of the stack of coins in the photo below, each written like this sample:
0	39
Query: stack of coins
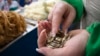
58	41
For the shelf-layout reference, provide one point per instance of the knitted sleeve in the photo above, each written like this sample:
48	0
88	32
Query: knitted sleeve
78	5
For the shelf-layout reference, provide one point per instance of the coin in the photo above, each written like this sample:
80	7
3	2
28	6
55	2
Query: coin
58	41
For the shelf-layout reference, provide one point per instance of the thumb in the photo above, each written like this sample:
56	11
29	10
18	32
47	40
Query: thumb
44	50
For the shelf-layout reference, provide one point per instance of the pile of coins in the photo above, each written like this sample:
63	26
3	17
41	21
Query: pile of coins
58	41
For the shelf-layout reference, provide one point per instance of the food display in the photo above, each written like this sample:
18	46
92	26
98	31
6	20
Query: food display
38	10
58	41
12	25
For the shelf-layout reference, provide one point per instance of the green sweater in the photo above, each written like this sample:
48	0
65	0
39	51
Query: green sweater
93	45
78	5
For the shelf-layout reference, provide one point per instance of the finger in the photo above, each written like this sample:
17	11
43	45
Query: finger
45	51
51	52
50	16
43	25
40	28
57	18
42	38
48	26
69	17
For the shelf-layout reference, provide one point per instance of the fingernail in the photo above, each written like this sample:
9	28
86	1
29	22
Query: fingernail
65	32
52	34
38	50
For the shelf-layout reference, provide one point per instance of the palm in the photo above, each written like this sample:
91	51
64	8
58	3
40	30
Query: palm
75	46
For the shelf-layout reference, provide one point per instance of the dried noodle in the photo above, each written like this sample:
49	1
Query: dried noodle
12	25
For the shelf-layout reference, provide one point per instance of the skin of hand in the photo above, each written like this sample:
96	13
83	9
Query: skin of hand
73	47
61	14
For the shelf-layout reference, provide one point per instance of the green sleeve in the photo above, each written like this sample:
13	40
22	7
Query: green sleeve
78	5
93	44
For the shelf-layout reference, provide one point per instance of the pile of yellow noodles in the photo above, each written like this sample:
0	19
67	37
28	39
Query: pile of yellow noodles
12	25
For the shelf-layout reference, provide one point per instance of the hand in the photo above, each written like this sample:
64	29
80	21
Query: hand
73	47
62	13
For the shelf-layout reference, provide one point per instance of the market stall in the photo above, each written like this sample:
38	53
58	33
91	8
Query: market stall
26	43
